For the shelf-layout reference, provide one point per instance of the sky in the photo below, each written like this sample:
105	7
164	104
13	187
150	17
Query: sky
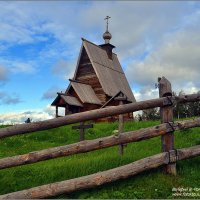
40	43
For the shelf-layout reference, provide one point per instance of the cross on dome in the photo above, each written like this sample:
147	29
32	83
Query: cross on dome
107	36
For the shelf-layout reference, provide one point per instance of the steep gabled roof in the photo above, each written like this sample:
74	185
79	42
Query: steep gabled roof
109	72
85	93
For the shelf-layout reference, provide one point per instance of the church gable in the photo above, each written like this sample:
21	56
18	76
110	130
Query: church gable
84	67
85	74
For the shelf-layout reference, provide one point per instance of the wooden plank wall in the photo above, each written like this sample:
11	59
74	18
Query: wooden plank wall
87	75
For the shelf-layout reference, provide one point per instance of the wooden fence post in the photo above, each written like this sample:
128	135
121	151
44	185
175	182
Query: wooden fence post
56	111
121	130
166	114
82	132
82	128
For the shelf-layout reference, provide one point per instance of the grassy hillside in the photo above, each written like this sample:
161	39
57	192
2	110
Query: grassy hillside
152	184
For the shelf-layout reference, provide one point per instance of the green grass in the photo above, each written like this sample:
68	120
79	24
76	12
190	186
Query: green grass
151	184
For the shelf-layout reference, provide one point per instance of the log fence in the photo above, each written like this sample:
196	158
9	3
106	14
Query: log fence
167	158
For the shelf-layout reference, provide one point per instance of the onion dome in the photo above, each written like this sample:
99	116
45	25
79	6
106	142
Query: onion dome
107	36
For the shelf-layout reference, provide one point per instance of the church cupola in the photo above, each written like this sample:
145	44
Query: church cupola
107	36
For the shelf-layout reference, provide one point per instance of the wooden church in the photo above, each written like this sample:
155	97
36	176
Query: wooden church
99	81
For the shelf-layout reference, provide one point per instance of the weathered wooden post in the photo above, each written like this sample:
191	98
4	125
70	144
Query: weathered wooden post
166	114
121	98
82	131
82	128
121	130
67	109
56	111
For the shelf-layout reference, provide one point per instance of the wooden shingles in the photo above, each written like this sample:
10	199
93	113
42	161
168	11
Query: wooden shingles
67	99
85	93
71	100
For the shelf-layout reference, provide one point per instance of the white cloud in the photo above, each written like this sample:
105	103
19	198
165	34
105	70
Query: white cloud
20	116
136	26
23	67
177	58
12	65
51	93
29	21
8	99
64	69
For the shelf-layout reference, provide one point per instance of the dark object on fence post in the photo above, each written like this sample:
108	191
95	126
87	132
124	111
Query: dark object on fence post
82	128
166	114
28	120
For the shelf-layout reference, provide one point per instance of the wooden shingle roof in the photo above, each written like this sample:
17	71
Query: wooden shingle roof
71	100
67	99
85	93
109	72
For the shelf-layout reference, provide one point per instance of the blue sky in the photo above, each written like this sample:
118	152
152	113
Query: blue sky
40	42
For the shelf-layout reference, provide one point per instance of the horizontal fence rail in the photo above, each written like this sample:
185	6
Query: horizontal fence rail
95	114
108	176
100	143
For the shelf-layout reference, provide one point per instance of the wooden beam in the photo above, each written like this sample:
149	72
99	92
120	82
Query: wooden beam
167	116
84	146
186	153
120	98
87	63
78	117
100	178
83	126
91	145
90	181
91	115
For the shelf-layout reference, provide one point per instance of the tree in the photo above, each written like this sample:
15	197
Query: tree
150	114
185	110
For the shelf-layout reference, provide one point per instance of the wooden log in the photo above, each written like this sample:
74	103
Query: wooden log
90	115
84	146
187	98
91	145
166	114
181	125
101	178
78	117
92	180
185	153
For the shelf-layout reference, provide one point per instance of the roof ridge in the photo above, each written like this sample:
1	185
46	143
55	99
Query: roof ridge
85	40
92	43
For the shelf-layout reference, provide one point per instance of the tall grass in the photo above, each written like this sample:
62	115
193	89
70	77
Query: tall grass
153	184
